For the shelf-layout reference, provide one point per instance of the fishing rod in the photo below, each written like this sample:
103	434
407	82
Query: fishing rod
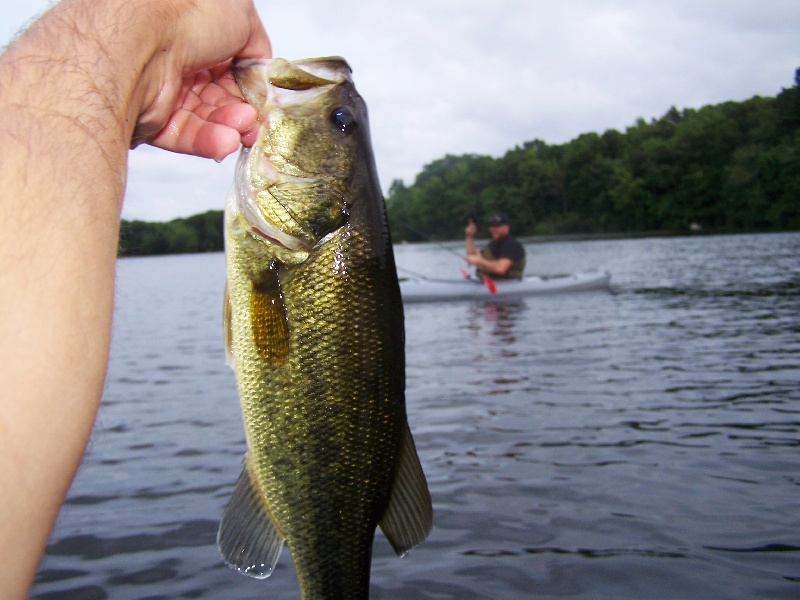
416	274
484	280
428	238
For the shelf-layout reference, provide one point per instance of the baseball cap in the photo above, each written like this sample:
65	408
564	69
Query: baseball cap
498	218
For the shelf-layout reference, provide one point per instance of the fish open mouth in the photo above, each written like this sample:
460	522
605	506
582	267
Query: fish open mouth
288	82
270	84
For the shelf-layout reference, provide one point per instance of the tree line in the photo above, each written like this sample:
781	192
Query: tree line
729	167
198	233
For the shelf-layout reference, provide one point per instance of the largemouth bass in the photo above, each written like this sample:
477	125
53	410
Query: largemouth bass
315	332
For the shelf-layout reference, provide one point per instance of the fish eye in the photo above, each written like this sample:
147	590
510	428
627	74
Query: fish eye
344	120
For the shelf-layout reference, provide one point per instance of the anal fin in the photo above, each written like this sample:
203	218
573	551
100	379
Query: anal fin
248	539
409	516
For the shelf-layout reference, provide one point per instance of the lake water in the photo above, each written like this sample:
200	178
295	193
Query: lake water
641	443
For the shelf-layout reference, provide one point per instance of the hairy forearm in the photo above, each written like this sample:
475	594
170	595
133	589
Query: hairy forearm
87	65
56	274
68	115
87	81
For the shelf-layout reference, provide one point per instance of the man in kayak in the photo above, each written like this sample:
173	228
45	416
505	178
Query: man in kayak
503	258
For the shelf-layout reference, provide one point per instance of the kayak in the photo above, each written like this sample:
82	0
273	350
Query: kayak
420	289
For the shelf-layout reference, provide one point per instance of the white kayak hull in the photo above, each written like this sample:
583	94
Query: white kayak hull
441	290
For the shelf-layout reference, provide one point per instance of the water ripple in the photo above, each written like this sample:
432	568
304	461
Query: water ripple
90	547
638	444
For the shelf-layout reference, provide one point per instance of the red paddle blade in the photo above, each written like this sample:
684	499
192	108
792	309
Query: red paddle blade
489	283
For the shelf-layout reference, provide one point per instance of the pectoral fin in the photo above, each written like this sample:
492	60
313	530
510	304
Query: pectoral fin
409	516
248	539
268	315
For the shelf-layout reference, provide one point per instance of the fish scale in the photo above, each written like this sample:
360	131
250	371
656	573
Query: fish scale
324	436
314	324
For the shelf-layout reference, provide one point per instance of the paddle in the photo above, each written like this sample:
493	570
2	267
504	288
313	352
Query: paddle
487	281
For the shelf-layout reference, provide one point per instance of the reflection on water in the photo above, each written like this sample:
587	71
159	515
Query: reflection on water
641	443
497	320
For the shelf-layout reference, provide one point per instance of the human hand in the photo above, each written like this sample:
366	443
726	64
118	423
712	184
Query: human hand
191	102
471	229
212	121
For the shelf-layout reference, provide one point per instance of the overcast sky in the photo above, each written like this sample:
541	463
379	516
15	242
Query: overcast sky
467	76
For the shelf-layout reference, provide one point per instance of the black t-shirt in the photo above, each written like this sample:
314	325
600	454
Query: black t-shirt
506	247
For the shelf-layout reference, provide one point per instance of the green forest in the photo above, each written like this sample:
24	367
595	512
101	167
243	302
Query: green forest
198	233
729	167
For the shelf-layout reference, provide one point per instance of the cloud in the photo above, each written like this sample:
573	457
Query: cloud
455	77
476	77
